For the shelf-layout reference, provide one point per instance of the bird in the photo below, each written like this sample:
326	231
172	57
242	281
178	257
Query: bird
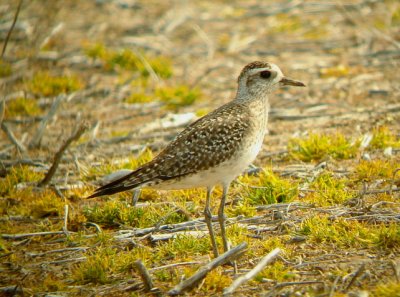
214	149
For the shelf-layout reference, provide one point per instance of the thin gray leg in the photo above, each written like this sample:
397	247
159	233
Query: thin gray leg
221	216
208	219
135	196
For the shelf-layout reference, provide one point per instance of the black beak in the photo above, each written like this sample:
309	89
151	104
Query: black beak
291	82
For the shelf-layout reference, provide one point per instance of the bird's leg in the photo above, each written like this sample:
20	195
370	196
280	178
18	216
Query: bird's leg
221	216
135	196
208	219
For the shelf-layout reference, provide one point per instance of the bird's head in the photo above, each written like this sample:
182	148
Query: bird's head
261	78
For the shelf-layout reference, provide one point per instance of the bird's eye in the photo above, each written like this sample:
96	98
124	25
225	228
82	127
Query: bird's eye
265	74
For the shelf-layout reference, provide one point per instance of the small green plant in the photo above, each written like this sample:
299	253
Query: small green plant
96	268
109	166
382	138
318	146
5	68
22	106
115	213
178	96
387	289
16	175
276	271
183	246
375	169
128	60
216	281
140	97
350	233
268	188
45	84
329	190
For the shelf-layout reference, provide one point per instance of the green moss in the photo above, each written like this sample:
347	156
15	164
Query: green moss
45	84
382	138
350	233
18	174
128	60
276	271
44	204
178	96
387	289
5	68
375	169
115	213
216	281
138	98
268	188
22	107
109	166
183	246
96	268
319	146
329	190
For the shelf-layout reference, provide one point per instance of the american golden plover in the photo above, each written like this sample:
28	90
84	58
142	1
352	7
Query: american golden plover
216	148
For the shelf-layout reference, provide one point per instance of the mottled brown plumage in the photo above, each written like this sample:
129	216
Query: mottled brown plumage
214	149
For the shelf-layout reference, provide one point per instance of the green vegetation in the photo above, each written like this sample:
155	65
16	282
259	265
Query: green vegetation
268	188
46	84
140	97
178	96
276	271
5	68
319	146
96	268
351	233
329	190
115	213
129	60
382	138
375	169
387	289
109	166
16	175
22	106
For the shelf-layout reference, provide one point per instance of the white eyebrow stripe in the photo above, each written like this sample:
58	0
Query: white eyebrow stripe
256	70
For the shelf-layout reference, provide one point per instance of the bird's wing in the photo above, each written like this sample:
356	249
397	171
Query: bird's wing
205	143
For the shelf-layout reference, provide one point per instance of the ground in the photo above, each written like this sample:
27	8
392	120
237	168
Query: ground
131	74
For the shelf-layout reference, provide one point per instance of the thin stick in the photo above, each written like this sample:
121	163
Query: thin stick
12	138
202	272
173	265
37	138
2	109
65	227
57	157
355	276
24	235
252	273
144	274
11	28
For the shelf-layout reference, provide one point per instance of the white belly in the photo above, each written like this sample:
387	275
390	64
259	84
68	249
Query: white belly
224	173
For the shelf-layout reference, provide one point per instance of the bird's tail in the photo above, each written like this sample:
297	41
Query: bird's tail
132	180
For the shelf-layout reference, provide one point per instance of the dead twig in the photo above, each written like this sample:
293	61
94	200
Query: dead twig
252	273
37	138
144	274
24	235
173	265
355	276
13	139
57	158
202	272
11	28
